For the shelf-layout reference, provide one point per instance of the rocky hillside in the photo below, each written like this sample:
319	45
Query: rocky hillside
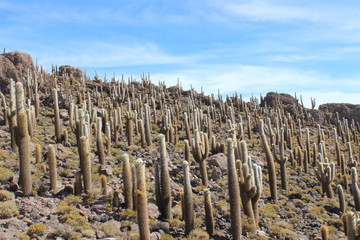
124	159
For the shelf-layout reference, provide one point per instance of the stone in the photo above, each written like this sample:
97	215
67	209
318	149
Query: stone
153	210
70	70
218	160
345	110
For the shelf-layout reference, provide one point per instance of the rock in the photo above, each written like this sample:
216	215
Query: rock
160	226
153	210
218	160
100	234
155	236
106	170
70	70
272	99
345	110
135	228
114	223
295	196
14	65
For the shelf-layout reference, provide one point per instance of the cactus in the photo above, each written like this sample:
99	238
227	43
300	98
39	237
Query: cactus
250	179
188	203
324	232
355	188
187	152
352	222
341	195
325	173
24	154
85	161
104	189
270	162
209	215
38	153
164	180
78	184
141	200
100	142
130	127
281	160
234	192
56	116
142	133
200	150
147	125
127	179
52	167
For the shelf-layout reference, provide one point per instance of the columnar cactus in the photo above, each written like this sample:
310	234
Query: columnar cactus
56	115
52	167
250	179
325	173
130	127
78	184
200	150
188	203
209	215
85	162
281	160
355	188
324	232
24	154
127	179
270	162
38	153
141	200
352	222
234	192
164	180
187	152
147	125
100	142
341	195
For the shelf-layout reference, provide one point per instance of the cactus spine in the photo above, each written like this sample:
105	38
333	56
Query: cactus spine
52	167
270	162
234	192
141	199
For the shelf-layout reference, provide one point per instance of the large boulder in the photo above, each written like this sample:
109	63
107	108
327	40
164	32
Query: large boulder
14	65
272	99
70	70
345	110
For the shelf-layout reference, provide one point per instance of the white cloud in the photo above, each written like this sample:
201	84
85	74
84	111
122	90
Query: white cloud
103	55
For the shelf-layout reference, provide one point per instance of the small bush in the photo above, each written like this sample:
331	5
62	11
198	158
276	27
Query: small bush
5	174
63	230
110	230
37	229
198	234
23	236
8	209
6	196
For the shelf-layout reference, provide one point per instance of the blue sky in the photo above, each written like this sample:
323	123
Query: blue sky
252	47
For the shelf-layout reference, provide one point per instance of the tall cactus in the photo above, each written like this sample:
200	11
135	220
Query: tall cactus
270	162
164	180
355	188
127	181
325	173
209	215
85	159
130	127
234	192
200	150
188	203
141	200
281	160
99	141
56	115
52	167
24	154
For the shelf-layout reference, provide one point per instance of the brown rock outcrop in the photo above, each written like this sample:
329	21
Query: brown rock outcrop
345	110
70	70
14	65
